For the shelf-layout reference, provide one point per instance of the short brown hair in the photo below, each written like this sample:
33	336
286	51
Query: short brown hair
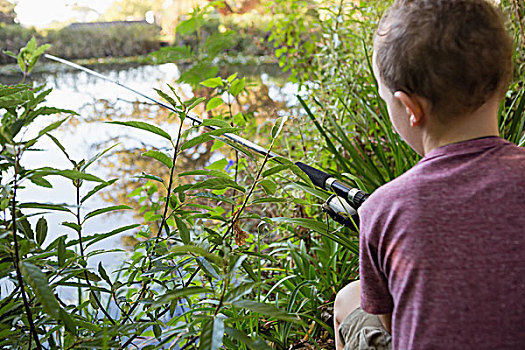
455	53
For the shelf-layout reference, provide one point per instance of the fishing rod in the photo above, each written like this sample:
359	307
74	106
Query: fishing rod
343	211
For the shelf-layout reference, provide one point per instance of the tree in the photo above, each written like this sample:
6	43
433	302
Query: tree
7	12
134	9
239	7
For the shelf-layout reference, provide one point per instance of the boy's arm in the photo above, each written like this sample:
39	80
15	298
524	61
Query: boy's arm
386	320
374	292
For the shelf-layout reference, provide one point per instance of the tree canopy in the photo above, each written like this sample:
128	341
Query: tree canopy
7	12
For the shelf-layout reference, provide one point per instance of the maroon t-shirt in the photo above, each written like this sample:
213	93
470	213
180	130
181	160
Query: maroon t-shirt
443	248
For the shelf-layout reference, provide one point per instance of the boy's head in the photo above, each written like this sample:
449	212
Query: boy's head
456	54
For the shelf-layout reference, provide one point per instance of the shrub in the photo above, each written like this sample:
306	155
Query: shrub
12	38
118	40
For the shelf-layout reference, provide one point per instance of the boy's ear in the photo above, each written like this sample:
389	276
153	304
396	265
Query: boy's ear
415	106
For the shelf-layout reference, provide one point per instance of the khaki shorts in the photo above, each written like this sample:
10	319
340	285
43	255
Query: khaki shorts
363	331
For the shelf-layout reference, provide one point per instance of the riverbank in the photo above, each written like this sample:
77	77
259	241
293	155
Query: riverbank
49	67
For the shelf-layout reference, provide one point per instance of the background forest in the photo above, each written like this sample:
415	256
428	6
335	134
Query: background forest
234	253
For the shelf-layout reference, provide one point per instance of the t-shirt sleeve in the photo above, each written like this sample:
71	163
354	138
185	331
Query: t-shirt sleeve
375	295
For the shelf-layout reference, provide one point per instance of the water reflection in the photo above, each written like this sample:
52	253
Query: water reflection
97	101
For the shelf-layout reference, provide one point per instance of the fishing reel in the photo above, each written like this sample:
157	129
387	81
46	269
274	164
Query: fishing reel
343	204
341	211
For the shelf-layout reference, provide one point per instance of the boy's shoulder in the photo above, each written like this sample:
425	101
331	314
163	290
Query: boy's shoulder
455	167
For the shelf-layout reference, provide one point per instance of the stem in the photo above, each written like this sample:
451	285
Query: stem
17	261
189	343
235	218
266	157
164	216
518	16
170	184
79	222
223	293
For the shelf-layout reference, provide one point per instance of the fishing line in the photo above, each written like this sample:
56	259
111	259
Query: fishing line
338	209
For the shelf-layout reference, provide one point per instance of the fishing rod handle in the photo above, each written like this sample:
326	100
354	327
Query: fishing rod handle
354	196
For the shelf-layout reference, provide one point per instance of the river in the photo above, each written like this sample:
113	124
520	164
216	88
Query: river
85	135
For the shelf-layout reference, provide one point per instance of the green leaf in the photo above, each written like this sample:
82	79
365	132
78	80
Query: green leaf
58	207
194	102
197	140
96	189
242	338
96	157
183	230
24	225
267	310
72	225
240	291
144	126
69	323
52	126
276	130
4	203
212	333
102	272
213	82
9	53
92	300
31	45
180	293
187	27
269	186
60	146
276	169
167	98
149	177
199	72
100	236
214	173
38	282
217	183
220	164
237	86
268	200
70	174
192	249
304	222
239	120
207	268
105	210
61	251
205	137
214	103
216	122
157	331
161	157
232	77
214	197
40	181
41	231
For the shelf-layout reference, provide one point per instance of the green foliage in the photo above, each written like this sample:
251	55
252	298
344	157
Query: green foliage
136	9
97	40
7	12
295	28
13	37
233	255
196	276
203	37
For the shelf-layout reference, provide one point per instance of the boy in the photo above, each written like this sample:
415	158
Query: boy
442	247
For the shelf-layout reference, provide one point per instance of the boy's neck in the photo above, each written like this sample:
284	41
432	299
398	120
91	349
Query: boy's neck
481	123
